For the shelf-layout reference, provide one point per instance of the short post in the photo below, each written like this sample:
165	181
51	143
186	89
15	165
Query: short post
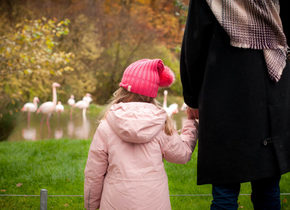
43	199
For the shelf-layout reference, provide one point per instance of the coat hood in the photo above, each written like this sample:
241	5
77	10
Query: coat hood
136	122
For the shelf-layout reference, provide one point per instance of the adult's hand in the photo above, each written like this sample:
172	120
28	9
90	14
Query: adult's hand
192	113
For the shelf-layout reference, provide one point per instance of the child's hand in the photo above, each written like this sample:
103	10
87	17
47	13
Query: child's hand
192	114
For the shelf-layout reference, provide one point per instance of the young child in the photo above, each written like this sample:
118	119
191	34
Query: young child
125	167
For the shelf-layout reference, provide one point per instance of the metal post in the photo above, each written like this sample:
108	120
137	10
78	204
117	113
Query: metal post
43	199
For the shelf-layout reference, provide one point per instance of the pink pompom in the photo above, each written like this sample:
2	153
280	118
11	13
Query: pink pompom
166	77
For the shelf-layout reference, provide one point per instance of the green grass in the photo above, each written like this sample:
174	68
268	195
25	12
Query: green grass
58	166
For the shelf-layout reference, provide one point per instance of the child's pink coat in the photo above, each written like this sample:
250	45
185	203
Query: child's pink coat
125	163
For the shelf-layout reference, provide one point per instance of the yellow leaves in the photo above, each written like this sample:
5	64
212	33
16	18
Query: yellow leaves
49	43
70	55
63	22
18	25
27	71
30	53
52	72
66	21
58	73
32	60
68	68
67	60
51	23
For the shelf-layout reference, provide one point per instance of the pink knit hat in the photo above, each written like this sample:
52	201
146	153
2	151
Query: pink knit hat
145	76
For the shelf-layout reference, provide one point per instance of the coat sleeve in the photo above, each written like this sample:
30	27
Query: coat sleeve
178	148
194	50
95	171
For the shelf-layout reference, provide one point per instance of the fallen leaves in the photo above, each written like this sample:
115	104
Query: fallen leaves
19	184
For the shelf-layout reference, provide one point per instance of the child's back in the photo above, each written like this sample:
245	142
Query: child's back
125	167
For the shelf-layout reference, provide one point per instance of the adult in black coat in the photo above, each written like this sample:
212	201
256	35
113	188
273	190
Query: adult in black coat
244	131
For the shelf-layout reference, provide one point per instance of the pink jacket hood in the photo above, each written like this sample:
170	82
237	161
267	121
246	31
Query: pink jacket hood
136	122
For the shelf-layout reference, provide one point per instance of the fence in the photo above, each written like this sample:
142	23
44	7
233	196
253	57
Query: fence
44	195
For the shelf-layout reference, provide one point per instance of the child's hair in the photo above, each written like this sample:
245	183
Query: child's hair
122	95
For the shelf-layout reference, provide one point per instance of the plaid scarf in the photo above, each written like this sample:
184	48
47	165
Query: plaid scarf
255	24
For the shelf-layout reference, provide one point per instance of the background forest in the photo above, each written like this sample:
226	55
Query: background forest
83	45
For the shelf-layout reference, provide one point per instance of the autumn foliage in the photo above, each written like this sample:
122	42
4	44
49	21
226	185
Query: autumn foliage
83	45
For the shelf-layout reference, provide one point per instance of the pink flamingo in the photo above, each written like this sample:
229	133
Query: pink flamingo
59	108
83	131
30	107
48	107
84	104
71	102
172	109
88	97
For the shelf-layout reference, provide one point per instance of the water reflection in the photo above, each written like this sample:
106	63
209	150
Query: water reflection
29	133
45	132
70	128
58	133
83	131
60	126
63	126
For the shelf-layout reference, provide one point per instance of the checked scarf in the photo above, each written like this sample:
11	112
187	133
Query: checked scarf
255	24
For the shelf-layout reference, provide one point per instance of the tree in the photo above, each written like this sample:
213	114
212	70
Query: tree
30	60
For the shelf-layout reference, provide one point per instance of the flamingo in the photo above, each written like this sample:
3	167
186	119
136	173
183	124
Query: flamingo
71	102
172	109
59	108
84	104
83	131
30	107
47	108
88	97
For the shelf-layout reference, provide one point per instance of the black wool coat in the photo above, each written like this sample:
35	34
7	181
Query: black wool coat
244	131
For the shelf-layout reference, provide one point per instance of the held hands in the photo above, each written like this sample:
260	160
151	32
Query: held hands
192	114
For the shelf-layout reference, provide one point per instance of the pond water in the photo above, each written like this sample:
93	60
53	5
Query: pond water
64	126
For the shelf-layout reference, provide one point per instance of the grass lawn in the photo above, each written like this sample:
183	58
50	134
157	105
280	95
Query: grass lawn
58	165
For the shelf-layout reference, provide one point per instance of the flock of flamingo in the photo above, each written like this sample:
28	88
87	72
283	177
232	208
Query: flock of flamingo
49	107
54	106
